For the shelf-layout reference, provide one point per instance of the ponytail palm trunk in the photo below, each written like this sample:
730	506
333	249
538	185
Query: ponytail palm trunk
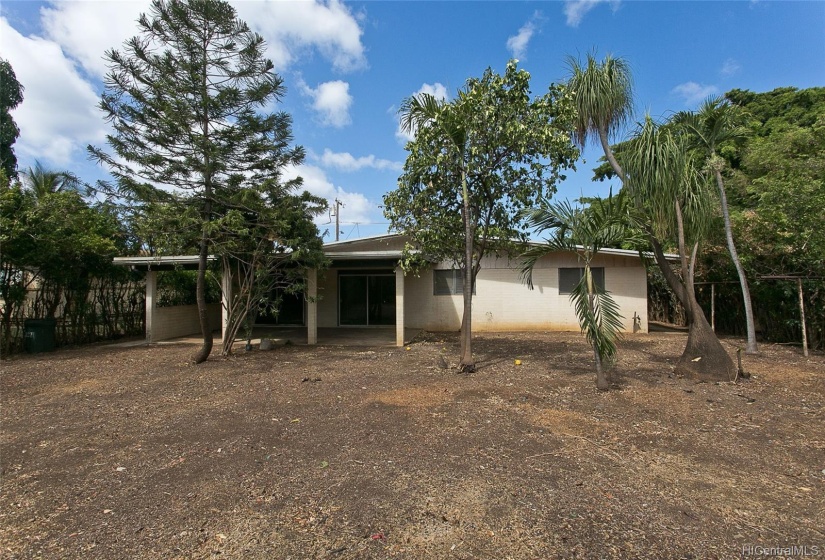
667	188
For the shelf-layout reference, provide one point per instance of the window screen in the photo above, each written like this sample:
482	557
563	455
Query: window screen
569	277
448	283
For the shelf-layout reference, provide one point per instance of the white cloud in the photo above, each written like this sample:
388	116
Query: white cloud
59	115
517	44
293	30
437	90
575	10
730	67
86	30
345	161
693	93
331	100
357	208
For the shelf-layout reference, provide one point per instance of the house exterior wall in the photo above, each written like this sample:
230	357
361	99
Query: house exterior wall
181	320
504	303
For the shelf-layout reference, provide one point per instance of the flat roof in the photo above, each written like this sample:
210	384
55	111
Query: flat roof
361	239
336	251
187	262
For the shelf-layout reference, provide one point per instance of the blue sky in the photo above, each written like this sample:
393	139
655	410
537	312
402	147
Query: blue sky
348	66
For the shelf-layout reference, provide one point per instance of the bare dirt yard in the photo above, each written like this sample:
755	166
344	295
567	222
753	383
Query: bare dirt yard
336	452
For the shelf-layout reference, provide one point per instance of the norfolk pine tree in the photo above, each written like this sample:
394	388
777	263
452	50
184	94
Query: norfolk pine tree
187	99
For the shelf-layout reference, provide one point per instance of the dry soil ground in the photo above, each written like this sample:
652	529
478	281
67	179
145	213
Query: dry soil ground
335	452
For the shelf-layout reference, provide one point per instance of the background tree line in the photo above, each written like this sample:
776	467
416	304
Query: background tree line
57	251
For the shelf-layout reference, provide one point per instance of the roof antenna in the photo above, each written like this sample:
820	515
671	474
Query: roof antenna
338	205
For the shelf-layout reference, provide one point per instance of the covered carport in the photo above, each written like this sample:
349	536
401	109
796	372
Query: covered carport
163	323
175	322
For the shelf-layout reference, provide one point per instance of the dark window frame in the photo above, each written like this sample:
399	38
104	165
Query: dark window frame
570	276
455	282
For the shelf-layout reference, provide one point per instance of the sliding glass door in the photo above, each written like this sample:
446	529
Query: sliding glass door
366	299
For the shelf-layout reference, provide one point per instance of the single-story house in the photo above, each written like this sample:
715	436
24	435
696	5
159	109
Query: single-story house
365	287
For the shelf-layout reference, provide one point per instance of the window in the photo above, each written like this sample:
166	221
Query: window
569	277
448	282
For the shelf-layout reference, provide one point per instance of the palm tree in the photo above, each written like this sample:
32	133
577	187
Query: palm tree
603	95
41	181
714	124
667	188
426	110
585	231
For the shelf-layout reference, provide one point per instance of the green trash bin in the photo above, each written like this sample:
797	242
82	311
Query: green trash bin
38	335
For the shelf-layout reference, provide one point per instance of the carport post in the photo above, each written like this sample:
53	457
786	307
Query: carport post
151	294
312	306
399	306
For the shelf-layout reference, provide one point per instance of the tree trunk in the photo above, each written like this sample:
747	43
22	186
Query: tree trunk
751	347
602	380
203	315
713	361
467	364
703	357
609	155
200	288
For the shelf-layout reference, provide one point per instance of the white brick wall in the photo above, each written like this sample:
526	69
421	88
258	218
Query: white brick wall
504	303
181	320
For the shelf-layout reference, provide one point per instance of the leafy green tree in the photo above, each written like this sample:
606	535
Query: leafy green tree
187	99
265	250
786	184
715	124
56	240
586	231
16	244
475	163
11	95
777	193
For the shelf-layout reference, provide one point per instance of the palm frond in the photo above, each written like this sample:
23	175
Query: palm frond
660	172
598	315
716	122
603	93
419	110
